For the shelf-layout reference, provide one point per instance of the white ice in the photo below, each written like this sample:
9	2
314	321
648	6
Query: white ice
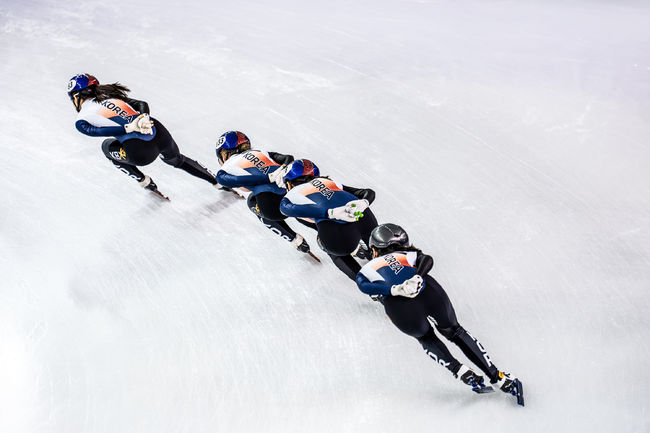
510	138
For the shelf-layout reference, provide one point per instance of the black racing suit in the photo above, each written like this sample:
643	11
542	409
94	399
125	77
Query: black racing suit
411	316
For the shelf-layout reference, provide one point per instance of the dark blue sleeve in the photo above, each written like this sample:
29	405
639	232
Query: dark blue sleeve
99	131
227	179
379	288
302	210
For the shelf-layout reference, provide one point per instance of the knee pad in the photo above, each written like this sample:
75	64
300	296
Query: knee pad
451	332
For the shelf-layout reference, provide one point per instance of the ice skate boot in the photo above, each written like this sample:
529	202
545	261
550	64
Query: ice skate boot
468	377
511	385
148	184
362	252
300	244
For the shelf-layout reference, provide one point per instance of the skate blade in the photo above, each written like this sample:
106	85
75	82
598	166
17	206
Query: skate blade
519	392
483	390
161	195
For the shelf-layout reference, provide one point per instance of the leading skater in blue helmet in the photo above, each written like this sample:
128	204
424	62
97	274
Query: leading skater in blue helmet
106	110
413	299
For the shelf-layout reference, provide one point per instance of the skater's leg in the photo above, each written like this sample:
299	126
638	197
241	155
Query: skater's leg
472	348
436	349
279	227
442	311
171	155
113	150
347	265
350	238
339	241
190	166
266	206
410	315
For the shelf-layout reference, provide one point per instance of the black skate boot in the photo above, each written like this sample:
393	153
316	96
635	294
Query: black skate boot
468	377
362	252
300	244
511	385
148	184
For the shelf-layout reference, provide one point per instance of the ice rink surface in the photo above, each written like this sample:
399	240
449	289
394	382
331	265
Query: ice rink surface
509	138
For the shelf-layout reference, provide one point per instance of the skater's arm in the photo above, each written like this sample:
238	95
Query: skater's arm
139	106
424	264
233	181
302	210
281	158
99	131
361	193
369	288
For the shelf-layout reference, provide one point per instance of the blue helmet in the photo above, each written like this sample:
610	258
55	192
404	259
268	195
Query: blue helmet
80	82
301	170
231	139
231	142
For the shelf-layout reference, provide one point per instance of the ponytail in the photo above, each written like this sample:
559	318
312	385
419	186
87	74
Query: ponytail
410	248
108	91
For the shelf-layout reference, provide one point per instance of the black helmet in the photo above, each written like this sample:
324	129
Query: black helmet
388	236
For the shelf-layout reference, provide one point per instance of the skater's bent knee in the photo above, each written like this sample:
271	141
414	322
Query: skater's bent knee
251	201
106	146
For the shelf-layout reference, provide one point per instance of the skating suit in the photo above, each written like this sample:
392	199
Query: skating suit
313	199
380	274
107	119
249	171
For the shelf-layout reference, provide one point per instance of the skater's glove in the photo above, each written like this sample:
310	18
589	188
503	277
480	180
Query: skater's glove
276	176
351	212
409	288
146	124
142	124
